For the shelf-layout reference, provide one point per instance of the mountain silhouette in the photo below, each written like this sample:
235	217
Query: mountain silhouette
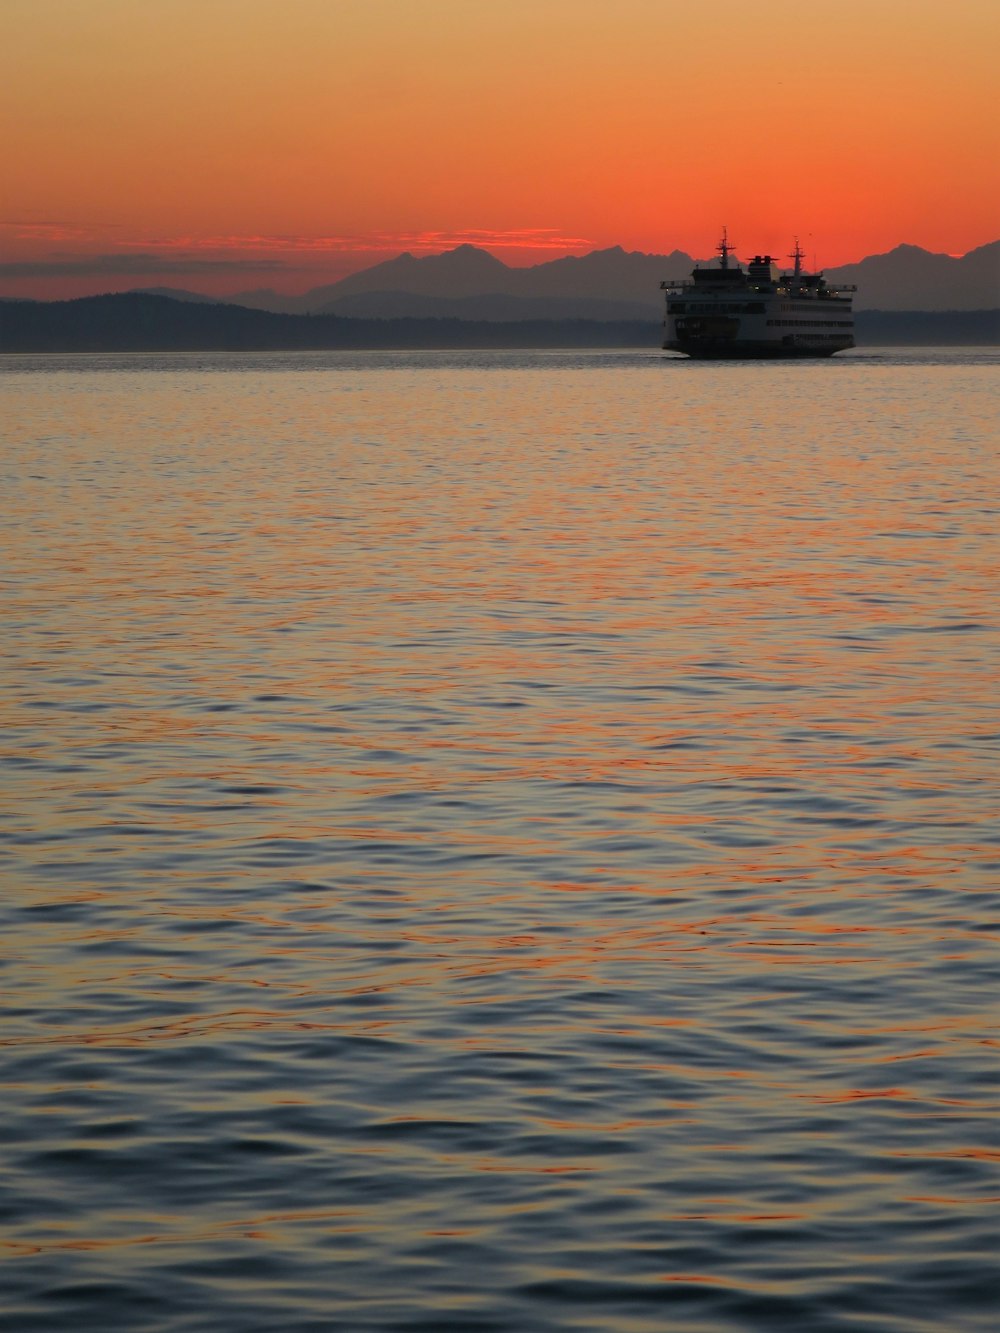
465	271
906	278
469	283
909	278
603	275
613	274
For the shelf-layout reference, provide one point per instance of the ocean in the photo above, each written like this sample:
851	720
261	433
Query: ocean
499	843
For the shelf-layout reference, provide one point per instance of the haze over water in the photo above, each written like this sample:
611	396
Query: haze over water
499	843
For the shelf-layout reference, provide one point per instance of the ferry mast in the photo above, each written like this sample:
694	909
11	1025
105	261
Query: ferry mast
725	250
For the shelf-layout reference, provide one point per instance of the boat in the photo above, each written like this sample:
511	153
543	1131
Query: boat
725	310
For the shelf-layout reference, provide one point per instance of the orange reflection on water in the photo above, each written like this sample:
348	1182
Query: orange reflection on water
609	785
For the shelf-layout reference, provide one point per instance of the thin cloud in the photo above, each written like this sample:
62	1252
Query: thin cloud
193	254
135	265
523	238
247	254
26	229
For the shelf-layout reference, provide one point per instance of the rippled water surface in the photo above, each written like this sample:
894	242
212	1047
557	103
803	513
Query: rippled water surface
499	843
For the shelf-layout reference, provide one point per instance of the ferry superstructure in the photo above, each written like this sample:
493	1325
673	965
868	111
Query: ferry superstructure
727	311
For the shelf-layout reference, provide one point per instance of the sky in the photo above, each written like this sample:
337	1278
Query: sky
224	145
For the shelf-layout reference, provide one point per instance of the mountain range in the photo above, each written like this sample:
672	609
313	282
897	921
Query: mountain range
471	284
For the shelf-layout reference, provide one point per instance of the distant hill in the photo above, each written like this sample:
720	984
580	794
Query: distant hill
138	322
907	278
411	305
927	328
279	303
181	294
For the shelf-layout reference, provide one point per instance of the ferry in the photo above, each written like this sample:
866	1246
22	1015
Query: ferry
727	311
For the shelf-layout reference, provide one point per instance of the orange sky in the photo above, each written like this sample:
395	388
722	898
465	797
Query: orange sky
226	144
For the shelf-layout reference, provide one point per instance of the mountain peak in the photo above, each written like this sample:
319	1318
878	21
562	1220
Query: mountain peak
468	253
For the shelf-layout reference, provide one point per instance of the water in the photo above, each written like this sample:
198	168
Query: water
499	843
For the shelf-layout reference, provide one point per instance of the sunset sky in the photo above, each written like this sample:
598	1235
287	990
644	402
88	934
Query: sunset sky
228	144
